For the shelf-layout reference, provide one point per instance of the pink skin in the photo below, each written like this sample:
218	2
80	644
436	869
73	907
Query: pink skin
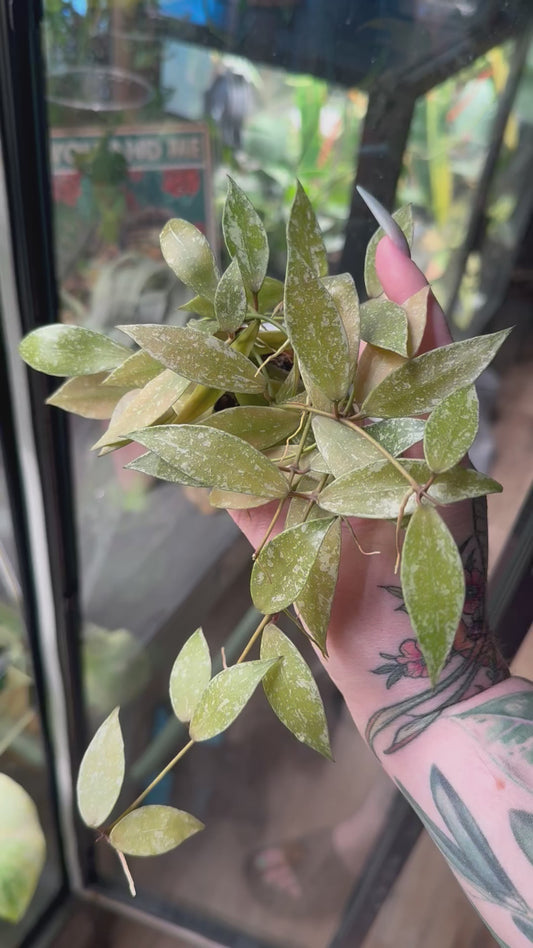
359	604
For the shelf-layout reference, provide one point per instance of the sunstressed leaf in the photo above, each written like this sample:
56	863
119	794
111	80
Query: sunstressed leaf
397	434
190	676
451	429
433	585
230	298
22	849
312	316
152	830
70	350
404	217
304	235
86	396
504	726
198	356
135	371
342	448
225	697
343	291
422	383
101	772
143	407
188	254
258	425
232	500
154	466
245	236
316	598
282	568
522	827
292	692
214	458
384	324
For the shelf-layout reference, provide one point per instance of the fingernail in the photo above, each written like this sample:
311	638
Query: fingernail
385	220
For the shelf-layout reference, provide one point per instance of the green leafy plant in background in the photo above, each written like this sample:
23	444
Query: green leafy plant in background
312	425
22	849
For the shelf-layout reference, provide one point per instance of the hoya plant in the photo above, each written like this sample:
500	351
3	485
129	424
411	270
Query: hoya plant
267	395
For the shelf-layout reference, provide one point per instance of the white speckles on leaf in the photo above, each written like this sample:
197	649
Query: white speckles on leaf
225	697
282	568
404	217
344	294
188	254
316	598
190	676
86	396
342	448
230	298
245	237
152	830
303	234
260	426
101	772
384	324
70	350
451	429
142	407
375	491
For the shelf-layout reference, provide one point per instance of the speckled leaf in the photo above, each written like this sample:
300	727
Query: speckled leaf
312	316
316	598
231	500
215	459
342	448
299	507
143	407
451	429
404	217
304	235
292	692
245	236
230	299
397	434
282	568
70	350
225	697
423	382
101	772
135	371
258	425
199	305
504	726
459	484
374	366
188	254
342	289
154	466
375	491
433	585
190	676
416	308
198	356
384	324
152	830
86	396
22	849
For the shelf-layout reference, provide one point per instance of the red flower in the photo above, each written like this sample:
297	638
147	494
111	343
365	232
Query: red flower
67	189
474	591
412	660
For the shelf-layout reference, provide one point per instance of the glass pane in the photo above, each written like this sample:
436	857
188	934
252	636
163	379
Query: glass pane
22	749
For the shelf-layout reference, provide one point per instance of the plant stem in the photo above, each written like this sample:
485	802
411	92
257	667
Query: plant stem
253	638
153	784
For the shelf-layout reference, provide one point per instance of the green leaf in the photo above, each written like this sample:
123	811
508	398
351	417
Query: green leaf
22	849
142	407
101	772
433	585
225	697
522	827
451	429
342	448
230	299
459	484
304	235
245	236
404	217
198	356
190	676
260	426
316	598
375	491
232	500
188	254
135	371
199	305
154	466
152	830
299	507
420	384
215	459
312	316
416	308
86	396
70	350
384	324
504	726
292	692
343	291
396	435
270	294
282	568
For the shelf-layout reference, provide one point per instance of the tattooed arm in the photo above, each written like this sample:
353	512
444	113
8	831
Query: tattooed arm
462	752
